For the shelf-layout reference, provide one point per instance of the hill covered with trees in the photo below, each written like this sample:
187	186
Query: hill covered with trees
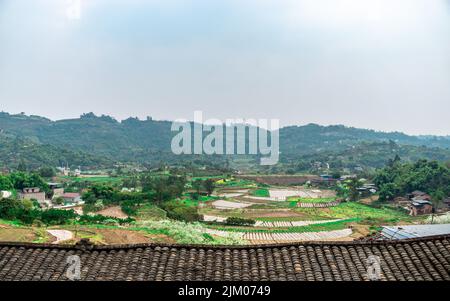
96	140
23	154
398	179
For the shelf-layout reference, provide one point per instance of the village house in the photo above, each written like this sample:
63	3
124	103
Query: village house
32	193
72	198
56	189
446	203
420	207
5	194
367	189
64	170
419	196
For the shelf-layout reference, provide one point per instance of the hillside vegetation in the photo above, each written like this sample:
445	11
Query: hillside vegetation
148	142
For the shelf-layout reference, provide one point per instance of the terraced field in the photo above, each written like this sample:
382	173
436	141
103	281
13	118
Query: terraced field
263	237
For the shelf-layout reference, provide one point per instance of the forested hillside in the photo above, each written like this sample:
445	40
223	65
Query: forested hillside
148	141
18	151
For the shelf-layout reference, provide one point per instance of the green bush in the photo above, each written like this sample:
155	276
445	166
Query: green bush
236	221
181	212
129	207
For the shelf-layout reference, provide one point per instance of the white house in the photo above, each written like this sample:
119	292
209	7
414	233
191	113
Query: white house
5	194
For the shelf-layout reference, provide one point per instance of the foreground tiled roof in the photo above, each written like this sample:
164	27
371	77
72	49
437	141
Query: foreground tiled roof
413	259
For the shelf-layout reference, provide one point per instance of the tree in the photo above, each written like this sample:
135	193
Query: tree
351	188
197	186
437	198
400	179
209	186
5	183
387	192
46	172
59	200
21	180
22	166
336	175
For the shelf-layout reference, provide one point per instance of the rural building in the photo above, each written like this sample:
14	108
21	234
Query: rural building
420	207
414	231
33	193
367	189
76	172
71	198
447	203
415	259
5	194
56	189
419	195
64	170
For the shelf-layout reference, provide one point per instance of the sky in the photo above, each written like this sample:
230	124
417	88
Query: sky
378	64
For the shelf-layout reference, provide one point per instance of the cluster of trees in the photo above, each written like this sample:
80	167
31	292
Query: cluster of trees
362	157
163	188
156	189
24	155
28	212
348	190
398	179
21	180
201	186
97	197
102	140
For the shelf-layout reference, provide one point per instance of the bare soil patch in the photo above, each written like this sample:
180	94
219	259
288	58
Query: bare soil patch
114	211
17	235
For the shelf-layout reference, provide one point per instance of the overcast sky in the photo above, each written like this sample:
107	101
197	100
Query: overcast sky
374	64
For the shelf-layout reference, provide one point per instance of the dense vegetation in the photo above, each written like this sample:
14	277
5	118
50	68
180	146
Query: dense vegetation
147	142
398	179
21	153
28	212
21	180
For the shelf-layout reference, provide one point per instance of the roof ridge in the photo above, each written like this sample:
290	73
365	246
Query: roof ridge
219	247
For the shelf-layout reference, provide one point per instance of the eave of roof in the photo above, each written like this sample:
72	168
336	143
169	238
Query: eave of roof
218	247
426	258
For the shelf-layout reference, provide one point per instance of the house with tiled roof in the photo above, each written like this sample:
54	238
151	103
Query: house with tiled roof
425	258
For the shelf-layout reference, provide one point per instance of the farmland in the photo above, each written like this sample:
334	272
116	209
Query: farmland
235	211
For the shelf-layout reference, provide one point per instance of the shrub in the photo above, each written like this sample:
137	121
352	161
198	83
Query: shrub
129	207
181	212
236	221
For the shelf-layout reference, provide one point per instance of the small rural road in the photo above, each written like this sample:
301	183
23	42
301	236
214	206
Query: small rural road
61	235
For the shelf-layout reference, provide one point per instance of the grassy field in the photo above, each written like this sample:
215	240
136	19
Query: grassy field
99	179
194	203
150	212
356	210
235	183
261	192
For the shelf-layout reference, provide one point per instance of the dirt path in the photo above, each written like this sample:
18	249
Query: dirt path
61	235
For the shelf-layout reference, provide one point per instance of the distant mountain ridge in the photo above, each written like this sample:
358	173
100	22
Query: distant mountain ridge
149	140
16	150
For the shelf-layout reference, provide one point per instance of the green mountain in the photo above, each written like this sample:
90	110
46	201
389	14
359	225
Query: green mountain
148	141
14	150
